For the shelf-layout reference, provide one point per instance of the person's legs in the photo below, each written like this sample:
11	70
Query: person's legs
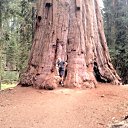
61	73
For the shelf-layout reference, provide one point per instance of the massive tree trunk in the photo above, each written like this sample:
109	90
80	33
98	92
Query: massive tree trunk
72	30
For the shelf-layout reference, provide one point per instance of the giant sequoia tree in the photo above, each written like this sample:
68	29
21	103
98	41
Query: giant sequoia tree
72	30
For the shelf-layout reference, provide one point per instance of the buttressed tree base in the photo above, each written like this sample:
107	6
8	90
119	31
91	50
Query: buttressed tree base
71	30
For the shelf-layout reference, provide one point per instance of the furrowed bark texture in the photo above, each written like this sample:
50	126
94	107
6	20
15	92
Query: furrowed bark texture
72	30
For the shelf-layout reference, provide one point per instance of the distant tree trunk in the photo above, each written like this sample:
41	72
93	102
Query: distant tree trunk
72	30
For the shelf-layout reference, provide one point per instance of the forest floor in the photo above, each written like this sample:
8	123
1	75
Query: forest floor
23	107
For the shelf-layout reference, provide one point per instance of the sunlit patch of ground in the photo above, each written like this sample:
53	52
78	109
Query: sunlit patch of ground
5	86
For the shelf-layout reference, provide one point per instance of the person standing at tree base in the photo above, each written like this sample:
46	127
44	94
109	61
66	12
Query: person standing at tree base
61	68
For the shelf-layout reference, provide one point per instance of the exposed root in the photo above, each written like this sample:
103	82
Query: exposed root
49	83
26	80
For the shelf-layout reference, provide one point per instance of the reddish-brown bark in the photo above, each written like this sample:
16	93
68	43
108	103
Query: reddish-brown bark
72	30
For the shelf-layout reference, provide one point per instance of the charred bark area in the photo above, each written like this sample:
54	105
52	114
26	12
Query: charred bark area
73	31
98	75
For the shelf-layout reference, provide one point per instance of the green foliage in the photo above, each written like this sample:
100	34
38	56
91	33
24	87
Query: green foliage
116	29
9	77
16	36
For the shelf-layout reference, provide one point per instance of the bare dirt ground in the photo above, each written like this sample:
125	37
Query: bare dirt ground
63	108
